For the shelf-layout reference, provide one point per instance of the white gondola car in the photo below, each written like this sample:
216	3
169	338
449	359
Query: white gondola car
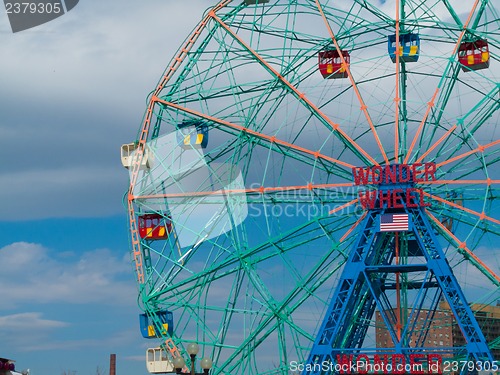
128	152
157	362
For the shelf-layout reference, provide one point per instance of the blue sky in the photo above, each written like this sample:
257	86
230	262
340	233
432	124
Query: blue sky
72	91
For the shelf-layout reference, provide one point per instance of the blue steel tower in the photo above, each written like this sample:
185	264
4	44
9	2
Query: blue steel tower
396	242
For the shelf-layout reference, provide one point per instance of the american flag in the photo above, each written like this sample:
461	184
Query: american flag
393	222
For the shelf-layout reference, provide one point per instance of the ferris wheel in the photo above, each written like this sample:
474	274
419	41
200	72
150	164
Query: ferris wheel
316	178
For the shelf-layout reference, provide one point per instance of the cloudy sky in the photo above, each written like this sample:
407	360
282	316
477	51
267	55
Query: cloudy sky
71	92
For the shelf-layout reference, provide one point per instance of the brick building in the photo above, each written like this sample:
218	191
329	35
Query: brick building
443	330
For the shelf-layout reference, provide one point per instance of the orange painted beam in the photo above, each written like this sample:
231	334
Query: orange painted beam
272	139
362	103
488	182
354	226
300	95
136	245
463	247
259	190
432	103
354	201
182	54
445	135
481	216
468	153
421	126
397	98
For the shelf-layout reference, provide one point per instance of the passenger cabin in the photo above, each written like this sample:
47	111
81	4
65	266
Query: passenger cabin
157	361
330	64
154	226
474	55
192	134
128	153
148	329
409	44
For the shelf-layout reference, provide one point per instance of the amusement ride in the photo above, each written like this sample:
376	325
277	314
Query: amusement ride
316	181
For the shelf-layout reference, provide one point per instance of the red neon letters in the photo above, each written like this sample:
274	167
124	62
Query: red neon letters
396	174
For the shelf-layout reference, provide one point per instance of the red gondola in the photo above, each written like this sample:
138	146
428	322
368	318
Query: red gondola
474	55
330	64
154	227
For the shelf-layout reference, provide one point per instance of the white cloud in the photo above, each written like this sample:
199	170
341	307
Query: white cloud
82	191
23	329
59	302
29	321
117	339
35	275
74	90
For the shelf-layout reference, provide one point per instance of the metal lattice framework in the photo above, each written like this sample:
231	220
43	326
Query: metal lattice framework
262	220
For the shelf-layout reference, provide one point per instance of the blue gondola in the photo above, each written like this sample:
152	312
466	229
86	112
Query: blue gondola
474	55
409	47
192	133
149	331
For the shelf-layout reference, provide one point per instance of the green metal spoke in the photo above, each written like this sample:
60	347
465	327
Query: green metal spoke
258	222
